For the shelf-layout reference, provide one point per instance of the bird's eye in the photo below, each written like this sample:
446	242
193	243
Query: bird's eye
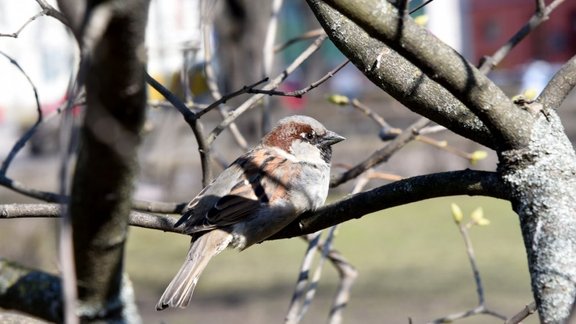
310	136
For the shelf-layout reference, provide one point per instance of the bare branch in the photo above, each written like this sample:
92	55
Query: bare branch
192	121
295	308
511	126
523	314
213	86
466	182
158	207
248	104
474	311
49	210
17	32
560	86
307	35
388	70
47	10
52	12
355	103
303	91
28	134
30	192
541	15
389	132
382	154
223	99
540	7
481	308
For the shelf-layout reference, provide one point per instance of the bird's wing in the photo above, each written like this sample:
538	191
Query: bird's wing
261	178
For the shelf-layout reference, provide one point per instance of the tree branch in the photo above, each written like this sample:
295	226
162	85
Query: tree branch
192	120
382	154
248	104
465	182
112	38
29	291
28	134
388	70
560	86
510	125
541	14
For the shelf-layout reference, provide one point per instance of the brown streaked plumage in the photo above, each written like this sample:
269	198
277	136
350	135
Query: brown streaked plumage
255	197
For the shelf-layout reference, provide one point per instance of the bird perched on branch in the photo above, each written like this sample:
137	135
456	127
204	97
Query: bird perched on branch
260	193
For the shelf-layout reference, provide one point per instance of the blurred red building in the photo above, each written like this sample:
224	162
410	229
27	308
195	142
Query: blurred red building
493	22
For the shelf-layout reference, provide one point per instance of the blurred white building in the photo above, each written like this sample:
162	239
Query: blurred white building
47	52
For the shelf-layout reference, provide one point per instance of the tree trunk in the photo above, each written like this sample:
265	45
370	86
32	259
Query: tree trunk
537	161
542	182
112	45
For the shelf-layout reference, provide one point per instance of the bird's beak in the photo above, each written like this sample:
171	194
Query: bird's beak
331	138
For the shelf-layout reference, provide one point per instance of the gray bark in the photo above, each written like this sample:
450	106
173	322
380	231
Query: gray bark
542	182
537	162
112	43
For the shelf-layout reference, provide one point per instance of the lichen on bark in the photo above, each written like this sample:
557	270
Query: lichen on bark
542	182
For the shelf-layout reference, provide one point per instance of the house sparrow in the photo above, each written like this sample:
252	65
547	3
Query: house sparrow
255	197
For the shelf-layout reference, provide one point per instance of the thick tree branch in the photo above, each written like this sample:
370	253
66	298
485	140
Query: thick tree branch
465	182
542	188
400	78
510	126
560	86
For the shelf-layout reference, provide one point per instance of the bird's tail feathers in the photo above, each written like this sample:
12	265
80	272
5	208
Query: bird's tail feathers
179	291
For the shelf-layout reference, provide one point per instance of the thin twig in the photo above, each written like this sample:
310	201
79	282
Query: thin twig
268	60
424	4
307	35
355	103
52	12
523	314
541	15
299	93
393	132
47	10
223	99
560	86
213	84
28	134
463	228
294	308
30	192
383	154
301	301
192	121
313	282
248	104
472	258
17	32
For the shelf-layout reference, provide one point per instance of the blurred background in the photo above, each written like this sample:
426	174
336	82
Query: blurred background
411	259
